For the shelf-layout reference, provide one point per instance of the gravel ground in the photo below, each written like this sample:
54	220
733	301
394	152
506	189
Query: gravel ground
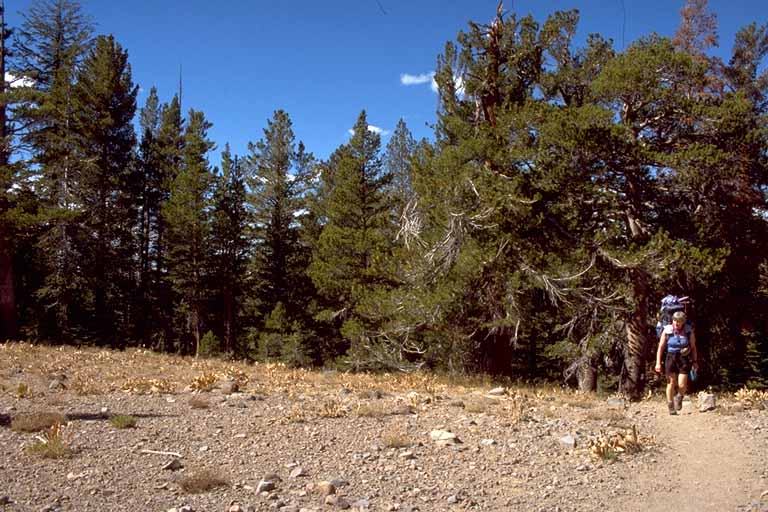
291	440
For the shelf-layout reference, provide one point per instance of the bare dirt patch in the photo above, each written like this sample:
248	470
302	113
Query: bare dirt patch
284	436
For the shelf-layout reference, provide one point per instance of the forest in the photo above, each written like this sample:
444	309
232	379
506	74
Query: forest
566	190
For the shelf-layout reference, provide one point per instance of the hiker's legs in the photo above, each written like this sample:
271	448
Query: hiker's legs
682	383
671	387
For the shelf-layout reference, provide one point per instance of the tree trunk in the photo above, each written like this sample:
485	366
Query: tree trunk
586	375
633	377
7	295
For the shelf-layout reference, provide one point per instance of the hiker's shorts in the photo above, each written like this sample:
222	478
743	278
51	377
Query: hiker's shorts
676	363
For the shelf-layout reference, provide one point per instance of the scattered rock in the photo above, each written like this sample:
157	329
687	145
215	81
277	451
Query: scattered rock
265	486
229	386
444	437
326	488
297	472
568	441
407	455
452	499
616	403
488	442
706	402
5	500
361	505
235	507
498	391
337	501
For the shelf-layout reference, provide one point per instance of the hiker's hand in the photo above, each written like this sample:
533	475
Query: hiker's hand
658	368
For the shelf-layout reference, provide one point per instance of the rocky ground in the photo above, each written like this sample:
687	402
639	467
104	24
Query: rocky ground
213	436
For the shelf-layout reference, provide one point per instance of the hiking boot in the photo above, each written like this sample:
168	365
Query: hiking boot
678	401
672	410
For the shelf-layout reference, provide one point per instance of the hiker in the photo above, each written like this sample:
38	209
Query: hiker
679	342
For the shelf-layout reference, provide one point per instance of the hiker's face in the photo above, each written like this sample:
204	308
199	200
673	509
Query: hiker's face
678	322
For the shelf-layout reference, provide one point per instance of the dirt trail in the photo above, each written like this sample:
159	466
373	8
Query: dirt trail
705	465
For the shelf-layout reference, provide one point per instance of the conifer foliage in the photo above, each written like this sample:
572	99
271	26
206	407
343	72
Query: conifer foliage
567	188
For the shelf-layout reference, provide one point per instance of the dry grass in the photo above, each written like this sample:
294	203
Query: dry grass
51	445
122	421
204	382
608	446
367	410
85	386
480	405
148	386
23	390
203	481
36	422
396	438
332	409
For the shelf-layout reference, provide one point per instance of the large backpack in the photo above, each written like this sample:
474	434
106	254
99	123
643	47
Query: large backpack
669	306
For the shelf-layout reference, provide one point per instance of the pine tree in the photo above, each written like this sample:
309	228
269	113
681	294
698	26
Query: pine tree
397	162
104	100
229	246
48	47
279	171
351	261
187	215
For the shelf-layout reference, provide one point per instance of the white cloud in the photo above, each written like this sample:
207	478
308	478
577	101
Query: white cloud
423	78
372	128
22	81
429	78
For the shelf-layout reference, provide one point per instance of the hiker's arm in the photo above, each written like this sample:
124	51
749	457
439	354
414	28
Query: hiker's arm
694	350
660	350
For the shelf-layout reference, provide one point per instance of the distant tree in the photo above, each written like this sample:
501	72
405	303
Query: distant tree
104	104
229	246
279	171
350	264
397	163
188	218
48	47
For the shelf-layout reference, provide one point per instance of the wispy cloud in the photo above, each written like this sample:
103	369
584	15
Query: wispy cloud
424	78
429	78
374	129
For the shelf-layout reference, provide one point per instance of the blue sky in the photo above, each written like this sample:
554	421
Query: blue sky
325	61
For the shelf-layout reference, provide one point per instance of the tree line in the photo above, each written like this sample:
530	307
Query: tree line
566	190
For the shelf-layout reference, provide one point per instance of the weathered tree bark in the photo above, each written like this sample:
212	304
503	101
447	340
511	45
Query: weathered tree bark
633	376
586	375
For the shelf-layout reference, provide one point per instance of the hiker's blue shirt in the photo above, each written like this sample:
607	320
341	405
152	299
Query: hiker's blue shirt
677	341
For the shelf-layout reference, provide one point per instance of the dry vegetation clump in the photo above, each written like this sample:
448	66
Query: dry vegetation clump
608	446
332	409
87	385
36	421
122	421
51	445
395	438
148	386
750	398
23	390
371	410
204	382
203	481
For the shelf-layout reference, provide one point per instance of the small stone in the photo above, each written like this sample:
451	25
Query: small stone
265	486
616	403
361	505
104	411
337	501
487	442
5	500
452	499
228	387
239	436
288	508
339	482
203	449
326	488
408	455
498	391
568	441
235	507
706	402
297	472
444	437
